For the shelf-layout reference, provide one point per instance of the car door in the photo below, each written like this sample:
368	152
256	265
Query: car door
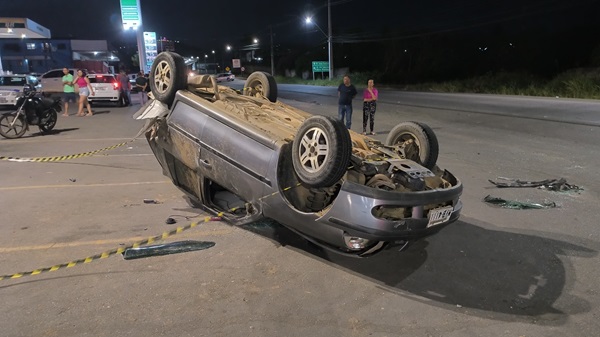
185	127
52	81
236	156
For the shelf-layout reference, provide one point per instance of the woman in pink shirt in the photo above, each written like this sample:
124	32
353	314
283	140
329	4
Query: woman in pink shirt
370	96
85	89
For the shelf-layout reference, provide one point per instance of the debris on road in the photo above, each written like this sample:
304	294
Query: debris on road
512	204
556	185
151	201
166	249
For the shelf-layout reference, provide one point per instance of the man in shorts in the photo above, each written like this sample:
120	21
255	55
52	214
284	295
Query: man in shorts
68	90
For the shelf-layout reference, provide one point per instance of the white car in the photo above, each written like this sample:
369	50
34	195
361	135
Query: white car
224	77
106	87
52	80
11	86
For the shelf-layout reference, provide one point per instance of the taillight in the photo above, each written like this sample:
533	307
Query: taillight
116	85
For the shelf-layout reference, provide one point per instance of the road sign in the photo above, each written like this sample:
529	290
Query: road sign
320	66
236	63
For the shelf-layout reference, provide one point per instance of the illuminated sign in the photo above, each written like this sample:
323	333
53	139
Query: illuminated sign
149	50
130	14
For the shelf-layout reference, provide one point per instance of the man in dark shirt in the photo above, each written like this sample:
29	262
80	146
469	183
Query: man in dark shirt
346	92
141	83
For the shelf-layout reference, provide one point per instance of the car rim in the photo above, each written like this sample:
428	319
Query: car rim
313	150
162	76
257	88
406	137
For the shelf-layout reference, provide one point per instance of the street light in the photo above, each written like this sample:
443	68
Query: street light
309	20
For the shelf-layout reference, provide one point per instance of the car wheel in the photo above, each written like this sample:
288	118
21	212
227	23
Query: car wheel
321	151
261	84
427	147
168	75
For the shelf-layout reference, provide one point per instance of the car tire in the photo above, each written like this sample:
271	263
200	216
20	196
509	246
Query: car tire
321	151
424	138
263	84
168	75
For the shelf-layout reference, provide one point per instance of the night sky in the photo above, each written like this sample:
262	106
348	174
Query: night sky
212	24
401	40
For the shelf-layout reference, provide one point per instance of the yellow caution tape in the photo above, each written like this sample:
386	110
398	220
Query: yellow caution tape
108	253
63	158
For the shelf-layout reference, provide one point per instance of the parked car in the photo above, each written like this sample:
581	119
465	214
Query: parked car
106	89
246	156
52	80
224	77
11	87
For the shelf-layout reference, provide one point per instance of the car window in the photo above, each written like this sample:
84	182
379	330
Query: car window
54	74
13	80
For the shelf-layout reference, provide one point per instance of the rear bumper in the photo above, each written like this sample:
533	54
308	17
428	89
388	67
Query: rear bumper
354	212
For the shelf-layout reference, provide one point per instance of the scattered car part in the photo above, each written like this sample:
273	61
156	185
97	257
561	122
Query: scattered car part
166	249
558	185
512	204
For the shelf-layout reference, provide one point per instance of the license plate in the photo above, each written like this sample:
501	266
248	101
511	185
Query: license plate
439	215
100	89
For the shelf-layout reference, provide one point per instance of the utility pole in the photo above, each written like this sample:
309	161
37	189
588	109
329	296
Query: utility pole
329	42
272	57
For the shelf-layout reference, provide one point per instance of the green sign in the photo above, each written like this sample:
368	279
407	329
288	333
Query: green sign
130	13
320	66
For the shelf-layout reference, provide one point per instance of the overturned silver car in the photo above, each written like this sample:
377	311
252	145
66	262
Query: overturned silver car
246	156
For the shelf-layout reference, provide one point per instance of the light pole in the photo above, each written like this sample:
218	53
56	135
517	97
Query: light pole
309	20
214	61
272	57
228	48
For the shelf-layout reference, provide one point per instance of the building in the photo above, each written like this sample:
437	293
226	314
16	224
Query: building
39	56
27	47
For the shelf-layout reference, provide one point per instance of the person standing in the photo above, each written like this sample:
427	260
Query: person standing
141	83
346	92
370	96
125	88
85	89
68	90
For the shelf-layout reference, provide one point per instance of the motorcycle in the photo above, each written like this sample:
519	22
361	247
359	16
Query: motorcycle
31	110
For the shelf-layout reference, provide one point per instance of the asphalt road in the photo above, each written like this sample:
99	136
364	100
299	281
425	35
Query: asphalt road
495	272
